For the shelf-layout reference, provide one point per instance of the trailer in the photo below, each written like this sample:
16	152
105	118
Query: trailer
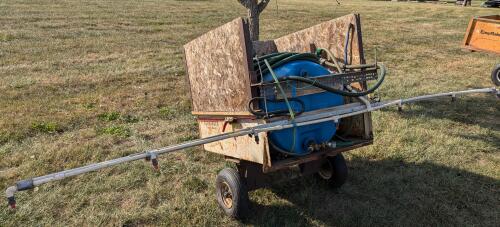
483	34
223	81
295	102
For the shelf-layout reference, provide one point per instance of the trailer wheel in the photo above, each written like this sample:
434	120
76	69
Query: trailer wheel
334	171
232	193
495	75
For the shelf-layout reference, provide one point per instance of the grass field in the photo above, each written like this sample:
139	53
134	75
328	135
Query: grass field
87	81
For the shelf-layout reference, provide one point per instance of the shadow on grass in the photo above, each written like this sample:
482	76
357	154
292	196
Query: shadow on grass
386	193
483	111
396	193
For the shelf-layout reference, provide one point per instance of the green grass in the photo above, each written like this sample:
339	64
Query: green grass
111	116
46	127
68	67
115	130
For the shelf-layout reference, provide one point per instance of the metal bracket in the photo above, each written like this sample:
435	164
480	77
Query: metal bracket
153	157
227	120
400	106
336	79
255	135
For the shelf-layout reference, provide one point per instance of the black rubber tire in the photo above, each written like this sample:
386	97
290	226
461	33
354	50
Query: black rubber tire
338	171
495	75
230	178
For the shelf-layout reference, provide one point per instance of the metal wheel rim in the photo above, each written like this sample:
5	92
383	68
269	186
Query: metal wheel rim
326	170
498	75
226	194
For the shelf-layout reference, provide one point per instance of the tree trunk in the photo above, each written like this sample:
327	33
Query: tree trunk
254	9
253	17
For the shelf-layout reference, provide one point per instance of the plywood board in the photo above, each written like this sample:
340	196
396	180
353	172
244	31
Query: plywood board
243	147
328	35
483	34
218	69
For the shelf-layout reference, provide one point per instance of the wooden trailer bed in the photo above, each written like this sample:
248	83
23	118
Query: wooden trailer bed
219	71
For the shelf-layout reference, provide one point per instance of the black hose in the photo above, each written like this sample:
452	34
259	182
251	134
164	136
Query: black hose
337	91
346	44
276	112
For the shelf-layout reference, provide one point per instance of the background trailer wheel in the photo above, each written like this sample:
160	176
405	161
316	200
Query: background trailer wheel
231	193
334	171
495	75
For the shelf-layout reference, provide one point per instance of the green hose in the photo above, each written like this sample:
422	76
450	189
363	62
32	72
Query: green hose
330	57
292	114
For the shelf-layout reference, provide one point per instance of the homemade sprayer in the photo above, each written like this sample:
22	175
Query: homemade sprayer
296	101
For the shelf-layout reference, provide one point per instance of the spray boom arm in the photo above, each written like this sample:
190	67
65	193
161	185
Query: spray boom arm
329	114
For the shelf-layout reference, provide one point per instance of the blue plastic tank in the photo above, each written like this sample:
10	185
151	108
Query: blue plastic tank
309	134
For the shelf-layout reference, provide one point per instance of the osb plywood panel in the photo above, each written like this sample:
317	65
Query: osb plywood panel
483	34
329	35
218	69
243	147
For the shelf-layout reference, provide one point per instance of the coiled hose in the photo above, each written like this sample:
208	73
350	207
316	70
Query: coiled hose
278	59
317	84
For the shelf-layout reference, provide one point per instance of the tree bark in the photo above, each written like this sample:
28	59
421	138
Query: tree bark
254	9
253	17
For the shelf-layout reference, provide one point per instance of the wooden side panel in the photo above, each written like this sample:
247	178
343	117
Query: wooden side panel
483	34
468	32
243	147
330	35
218	69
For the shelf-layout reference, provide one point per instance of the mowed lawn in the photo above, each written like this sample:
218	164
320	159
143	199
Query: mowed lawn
88	81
